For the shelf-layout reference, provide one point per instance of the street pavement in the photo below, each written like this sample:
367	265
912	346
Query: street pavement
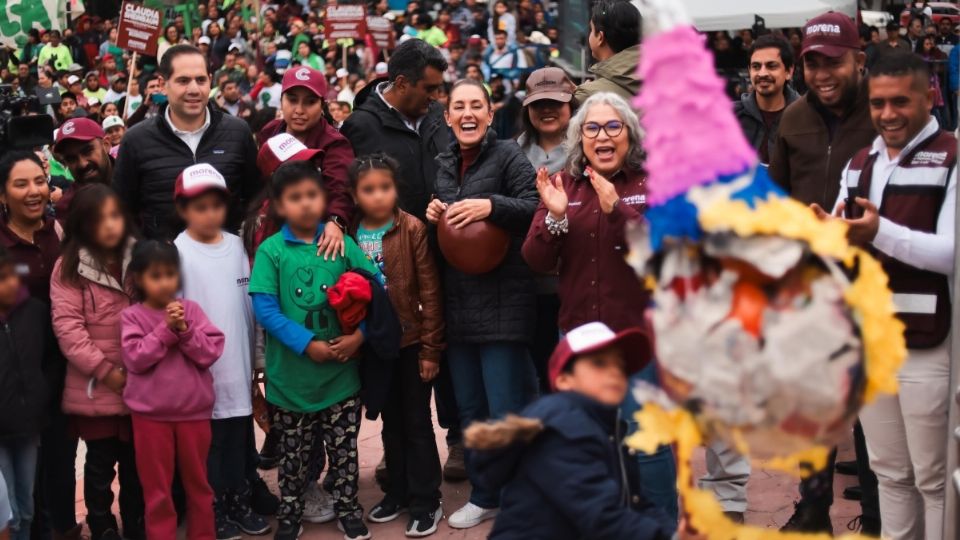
770	494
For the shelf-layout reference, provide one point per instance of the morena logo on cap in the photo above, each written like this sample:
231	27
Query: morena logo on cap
285	146
832	29
68	128
302	74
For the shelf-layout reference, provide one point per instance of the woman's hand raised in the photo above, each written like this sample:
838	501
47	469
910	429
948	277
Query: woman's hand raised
552	193
606	192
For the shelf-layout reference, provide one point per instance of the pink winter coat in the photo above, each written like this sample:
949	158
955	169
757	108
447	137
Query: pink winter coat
86	321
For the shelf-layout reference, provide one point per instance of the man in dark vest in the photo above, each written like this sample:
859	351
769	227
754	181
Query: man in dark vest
818	134
898	197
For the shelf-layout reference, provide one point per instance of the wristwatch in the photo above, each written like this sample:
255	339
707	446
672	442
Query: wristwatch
336	220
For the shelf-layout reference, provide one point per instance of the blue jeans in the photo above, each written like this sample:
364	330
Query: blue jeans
18	464
489	381
657	471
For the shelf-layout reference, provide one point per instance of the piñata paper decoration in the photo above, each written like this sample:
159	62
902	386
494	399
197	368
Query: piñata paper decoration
771	330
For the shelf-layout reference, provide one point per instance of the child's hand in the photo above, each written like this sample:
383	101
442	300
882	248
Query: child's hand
346	347
428	370
319	351
116	380
175	317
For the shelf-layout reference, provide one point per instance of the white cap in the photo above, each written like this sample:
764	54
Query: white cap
112	121
380	69
234	47
390	16
197	179
405	37
72	80
204	40
93	100
342	72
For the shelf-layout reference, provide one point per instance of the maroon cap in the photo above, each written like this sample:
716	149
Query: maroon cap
831	34
78	129
595	336
281	148
198	179
307	78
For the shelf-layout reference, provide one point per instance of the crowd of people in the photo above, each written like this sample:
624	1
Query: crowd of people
253	229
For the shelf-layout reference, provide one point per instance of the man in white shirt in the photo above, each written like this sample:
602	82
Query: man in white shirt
898	197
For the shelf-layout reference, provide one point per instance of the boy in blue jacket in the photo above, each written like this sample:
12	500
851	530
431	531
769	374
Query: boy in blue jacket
561	464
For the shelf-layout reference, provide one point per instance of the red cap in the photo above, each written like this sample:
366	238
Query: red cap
281	148
831	34
307	78
78	129
596	336
108	56
197	179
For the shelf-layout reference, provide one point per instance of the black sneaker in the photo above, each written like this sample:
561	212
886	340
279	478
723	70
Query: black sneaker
227	530
286	531
270	451
423	523
262	501
353	528
809	518
249	523
385	510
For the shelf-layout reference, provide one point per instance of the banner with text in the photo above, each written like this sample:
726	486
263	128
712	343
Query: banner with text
381	29
139	28
345	22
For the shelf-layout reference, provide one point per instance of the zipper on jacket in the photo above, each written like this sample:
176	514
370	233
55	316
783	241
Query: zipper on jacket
624	481
826	174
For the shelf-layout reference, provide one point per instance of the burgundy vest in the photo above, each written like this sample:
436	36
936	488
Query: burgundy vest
912	198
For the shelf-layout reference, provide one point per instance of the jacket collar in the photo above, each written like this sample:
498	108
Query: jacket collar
398	214
91	270
213	115
390	117
749	101
932	128
8	238
453	155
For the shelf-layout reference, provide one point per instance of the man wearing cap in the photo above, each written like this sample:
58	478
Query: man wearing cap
75	87
401	118
302	105
118	88
614	43
82	148
67	108
819	133
187	130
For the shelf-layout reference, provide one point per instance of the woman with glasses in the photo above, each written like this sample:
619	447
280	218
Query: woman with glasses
580	228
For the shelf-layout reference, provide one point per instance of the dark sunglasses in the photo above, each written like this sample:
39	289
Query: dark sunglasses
591	130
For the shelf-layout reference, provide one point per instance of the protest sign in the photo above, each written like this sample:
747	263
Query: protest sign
139	28
381	29
345	22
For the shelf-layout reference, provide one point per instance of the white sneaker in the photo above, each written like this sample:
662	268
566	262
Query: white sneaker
317	505
471	515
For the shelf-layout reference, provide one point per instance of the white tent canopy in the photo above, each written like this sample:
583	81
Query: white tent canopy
711	15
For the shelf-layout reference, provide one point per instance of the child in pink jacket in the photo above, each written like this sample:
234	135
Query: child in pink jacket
88	291
168	348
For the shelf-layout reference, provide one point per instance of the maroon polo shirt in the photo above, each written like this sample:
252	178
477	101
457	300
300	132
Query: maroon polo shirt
34	260
596	283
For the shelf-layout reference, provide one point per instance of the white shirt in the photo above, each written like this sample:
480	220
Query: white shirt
217	277
926	251
414	125
191	138
270	95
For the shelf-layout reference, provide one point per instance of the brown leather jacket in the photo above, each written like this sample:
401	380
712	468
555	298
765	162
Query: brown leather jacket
806	162
413	284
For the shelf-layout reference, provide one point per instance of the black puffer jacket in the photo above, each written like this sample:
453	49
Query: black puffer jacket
498	305
28	359
375	127
152	156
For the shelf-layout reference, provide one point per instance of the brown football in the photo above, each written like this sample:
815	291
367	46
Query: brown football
475	249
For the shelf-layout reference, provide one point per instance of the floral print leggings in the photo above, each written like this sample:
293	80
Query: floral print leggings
303	437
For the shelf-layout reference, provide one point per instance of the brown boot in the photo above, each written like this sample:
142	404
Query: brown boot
455	470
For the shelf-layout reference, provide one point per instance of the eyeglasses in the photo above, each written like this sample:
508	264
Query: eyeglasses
591	130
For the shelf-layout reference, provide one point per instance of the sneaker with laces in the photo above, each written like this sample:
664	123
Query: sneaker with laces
317	505
471	515
353	528
227	530
385	510
424	523
809	518
287	531
248	522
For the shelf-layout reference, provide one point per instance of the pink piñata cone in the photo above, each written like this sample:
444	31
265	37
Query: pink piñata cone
692	136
